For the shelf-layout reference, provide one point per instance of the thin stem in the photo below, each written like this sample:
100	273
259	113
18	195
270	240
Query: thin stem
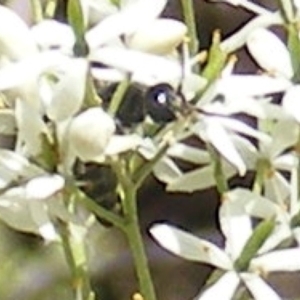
143	172
118	97
74	250
189	18
136	244
37	11
100	211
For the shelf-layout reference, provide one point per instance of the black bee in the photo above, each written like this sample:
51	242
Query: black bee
160	102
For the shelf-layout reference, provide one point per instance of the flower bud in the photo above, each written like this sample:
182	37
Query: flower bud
90	133
160	36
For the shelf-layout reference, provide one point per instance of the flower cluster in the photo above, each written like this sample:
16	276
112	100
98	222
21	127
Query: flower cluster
52	76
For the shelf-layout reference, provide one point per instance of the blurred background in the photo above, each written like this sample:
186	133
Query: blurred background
31	270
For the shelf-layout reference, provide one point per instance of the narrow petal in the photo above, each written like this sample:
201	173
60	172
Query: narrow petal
40	215
122	143
198	179
30	128
251	85
14	210
261	42
259	288
225	286
50	34
281	260
146	68
290	102
160	36
233	221
189	153
69	92
221	140
44	187
15	38
126	21
189	246
277	188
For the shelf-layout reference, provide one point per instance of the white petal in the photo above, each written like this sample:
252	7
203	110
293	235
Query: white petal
188	153
44	187
40	216
225	286
189	246
166	170
122	143
18	165
251	85
277	188
50	34
15	39
198	179
146	68
126	21
238	126
90	133
30	127
14	210
284	135
259	288
69	92
7	122
291	103
281	232
221	140
252	203
261	42
160	36
281	260
234	220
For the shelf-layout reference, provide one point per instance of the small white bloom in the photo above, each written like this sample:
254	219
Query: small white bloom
270	52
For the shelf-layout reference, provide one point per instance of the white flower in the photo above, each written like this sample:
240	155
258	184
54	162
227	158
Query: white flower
261	42
30	197
236	225
138	22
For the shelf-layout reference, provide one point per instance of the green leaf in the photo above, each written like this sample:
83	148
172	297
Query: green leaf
257	239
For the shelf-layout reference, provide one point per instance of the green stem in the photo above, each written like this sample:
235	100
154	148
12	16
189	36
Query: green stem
100	211
189	18
136	244
144	171
74	250
118	97
37	11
